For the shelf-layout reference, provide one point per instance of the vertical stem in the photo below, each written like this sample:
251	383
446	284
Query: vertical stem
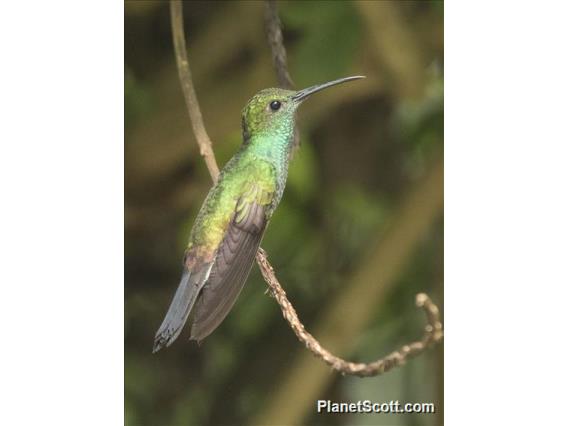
203	140
276	43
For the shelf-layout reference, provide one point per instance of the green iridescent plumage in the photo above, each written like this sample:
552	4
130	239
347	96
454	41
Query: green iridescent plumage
230	225
249	180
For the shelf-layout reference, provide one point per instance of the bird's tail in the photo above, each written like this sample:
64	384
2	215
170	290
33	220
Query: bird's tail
189	287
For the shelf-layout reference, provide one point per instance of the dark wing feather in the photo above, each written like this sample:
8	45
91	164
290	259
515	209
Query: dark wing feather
189	287
230	269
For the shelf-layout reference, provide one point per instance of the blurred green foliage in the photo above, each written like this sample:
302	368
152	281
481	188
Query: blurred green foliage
137	100
360	153
324	52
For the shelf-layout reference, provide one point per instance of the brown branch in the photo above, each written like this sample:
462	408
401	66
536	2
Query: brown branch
433	331
205	145
276	43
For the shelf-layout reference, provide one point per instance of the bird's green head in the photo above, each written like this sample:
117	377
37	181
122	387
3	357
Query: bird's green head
272	111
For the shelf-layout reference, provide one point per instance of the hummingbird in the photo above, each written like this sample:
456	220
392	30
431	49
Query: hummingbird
233	218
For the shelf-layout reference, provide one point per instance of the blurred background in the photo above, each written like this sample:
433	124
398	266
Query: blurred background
358	233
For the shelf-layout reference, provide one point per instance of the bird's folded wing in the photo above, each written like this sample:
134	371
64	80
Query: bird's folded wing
233	260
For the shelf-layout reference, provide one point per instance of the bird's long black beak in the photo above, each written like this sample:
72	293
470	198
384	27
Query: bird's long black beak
304	93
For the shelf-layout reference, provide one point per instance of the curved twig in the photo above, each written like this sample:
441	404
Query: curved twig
433	331
205	145
276	43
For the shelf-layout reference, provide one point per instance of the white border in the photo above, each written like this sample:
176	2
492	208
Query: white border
61	227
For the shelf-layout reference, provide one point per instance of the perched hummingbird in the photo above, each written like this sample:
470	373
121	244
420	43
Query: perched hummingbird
230	225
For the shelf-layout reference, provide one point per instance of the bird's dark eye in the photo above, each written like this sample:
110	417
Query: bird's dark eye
275	105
